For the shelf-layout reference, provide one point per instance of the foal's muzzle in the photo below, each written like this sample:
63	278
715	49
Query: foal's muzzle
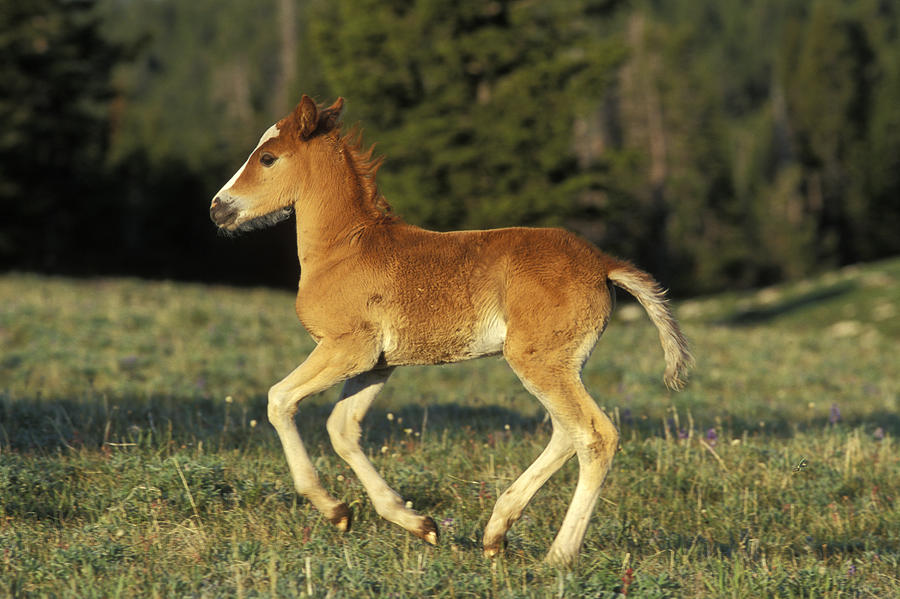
222	212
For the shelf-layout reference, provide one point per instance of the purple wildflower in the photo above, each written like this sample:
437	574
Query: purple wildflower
626	416
834	415
682	434
851	570
878	434
128	362
711	437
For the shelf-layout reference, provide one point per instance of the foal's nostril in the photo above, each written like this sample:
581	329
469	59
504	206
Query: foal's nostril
223	210
219	211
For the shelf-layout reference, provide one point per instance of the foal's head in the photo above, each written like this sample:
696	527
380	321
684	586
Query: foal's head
263	191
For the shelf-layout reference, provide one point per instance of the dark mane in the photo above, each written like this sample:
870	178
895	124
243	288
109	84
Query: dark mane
365	165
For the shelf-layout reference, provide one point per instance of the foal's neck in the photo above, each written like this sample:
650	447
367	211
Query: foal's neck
329	213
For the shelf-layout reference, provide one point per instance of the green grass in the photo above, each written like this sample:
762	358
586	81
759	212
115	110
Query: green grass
136	460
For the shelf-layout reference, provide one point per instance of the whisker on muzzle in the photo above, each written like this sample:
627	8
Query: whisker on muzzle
266	220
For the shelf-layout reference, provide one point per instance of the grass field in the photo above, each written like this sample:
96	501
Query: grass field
136	459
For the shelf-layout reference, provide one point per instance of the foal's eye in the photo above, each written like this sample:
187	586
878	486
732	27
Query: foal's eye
267	159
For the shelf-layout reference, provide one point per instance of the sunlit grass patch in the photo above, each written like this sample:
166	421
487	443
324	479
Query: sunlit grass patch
136	459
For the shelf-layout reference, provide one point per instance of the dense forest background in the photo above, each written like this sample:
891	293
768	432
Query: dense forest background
717	143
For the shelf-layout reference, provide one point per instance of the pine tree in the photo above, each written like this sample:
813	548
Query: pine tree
473	103
55	70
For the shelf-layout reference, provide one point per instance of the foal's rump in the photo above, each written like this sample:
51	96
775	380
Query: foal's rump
557	298
559	293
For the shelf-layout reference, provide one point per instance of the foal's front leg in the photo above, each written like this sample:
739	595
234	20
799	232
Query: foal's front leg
328	364
344	429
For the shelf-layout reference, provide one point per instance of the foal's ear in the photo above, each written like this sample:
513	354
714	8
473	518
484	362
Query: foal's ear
307	117
330	116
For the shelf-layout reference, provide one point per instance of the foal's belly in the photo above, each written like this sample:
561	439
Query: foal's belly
445	338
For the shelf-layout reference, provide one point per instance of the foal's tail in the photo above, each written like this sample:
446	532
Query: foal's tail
653	297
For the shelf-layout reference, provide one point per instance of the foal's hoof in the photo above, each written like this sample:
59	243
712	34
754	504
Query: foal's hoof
342	518
493	550
428	532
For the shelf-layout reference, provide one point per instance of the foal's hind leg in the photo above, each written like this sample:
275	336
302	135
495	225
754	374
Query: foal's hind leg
513	500
344	429
554	379
597	440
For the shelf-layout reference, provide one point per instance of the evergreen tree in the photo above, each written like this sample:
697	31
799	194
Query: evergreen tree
473	103
55	71
209	76
828	89
716	142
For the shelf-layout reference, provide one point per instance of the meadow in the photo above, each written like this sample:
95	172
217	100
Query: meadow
136	459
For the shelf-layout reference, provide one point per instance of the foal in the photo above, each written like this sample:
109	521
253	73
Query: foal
376	293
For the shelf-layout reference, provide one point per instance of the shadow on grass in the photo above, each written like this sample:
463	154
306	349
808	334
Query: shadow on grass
33	433
763	314
48	425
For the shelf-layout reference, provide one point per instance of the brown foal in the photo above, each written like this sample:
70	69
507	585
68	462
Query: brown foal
376	293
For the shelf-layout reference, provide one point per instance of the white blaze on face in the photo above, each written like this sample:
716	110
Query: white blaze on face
269	134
